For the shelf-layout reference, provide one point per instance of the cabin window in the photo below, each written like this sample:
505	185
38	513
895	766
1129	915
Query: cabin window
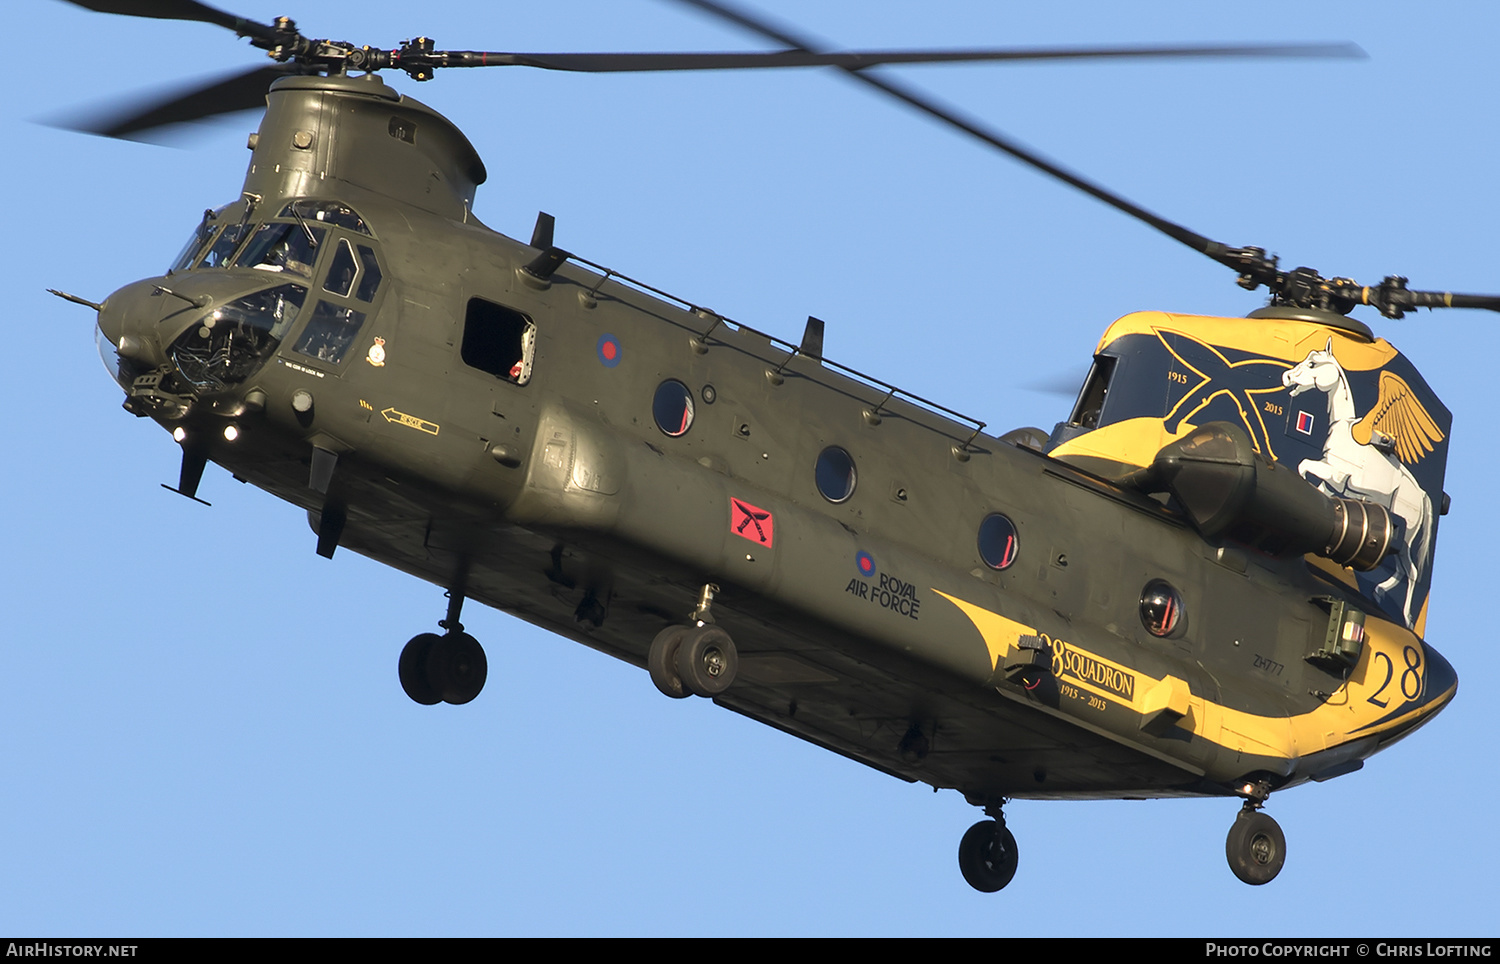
1161	609
1090	405
834	474
673	408
997	541
329	334
498	340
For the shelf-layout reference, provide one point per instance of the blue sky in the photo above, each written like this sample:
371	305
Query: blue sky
202	728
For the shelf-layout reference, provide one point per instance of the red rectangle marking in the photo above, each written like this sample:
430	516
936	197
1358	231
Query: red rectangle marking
751	522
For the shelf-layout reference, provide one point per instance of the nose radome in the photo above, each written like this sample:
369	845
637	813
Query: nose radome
129	318
143	316
112	318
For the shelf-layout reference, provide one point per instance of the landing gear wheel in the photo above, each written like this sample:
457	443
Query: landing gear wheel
456	667
707	661
661	661
413	670
1256	847
987	856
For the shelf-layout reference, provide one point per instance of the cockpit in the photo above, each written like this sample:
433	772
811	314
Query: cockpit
289	242
320	262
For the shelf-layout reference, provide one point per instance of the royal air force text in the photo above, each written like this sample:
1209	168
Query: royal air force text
888	591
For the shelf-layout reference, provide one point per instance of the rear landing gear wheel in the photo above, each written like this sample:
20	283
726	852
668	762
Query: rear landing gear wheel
1256	847
413	670
456	667
661	661
987	856
707	661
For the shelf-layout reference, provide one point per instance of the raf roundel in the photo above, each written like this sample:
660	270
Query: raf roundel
609	351
865	563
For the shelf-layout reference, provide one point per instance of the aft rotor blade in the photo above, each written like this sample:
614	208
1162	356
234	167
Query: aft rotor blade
1394	299
180	10
245	90
1223	254
859	59
1060	383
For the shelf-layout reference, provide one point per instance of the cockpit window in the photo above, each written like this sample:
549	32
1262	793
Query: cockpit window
346	276
331	331
341	273
230	343
282	247
1090	405
370	280
328	212
224	247
201	234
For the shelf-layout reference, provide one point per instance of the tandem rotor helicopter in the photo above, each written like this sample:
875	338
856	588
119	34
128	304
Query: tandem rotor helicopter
1210	579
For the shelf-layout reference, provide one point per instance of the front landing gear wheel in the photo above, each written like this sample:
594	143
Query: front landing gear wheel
456	667
987	856
1256	847
413	670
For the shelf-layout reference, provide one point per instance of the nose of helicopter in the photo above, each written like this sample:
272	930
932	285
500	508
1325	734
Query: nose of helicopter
131	318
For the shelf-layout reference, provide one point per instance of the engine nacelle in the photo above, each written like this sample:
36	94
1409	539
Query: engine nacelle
1229	489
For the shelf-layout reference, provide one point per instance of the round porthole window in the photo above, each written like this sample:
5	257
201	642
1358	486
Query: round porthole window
997	541
835	474
673	408
1161	608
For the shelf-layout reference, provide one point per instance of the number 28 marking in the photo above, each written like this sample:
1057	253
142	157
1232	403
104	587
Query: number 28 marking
1411	678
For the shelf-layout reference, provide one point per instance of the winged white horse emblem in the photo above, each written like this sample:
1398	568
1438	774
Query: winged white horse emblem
1363	458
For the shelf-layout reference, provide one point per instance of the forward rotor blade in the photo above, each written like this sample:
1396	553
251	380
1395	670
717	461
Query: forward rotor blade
1219	252
179	10
858	59
245	90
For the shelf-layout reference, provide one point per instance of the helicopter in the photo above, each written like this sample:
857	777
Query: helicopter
326	343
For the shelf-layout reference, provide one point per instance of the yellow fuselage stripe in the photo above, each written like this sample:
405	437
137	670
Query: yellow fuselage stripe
1390	674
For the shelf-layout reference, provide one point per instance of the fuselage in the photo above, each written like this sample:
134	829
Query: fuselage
587	456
